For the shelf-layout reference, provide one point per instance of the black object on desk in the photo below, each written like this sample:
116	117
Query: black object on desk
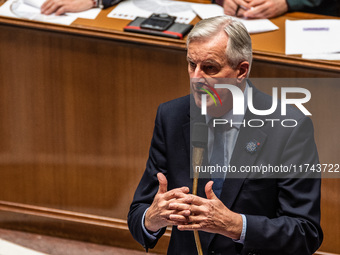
160	25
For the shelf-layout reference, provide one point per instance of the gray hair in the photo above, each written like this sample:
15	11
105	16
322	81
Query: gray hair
239	43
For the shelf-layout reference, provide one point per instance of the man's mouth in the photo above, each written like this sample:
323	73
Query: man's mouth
202	88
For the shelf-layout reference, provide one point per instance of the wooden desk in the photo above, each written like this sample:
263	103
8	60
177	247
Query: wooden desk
77	106
59	246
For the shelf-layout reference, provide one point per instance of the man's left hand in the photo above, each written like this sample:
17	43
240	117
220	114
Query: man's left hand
265	9
209	215
61	6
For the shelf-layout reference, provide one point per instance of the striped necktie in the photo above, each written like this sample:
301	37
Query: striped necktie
217	160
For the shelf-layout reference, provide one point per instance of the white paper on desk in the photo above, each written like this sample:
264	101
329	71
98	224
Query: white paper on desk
130	9
34	3
253	25
326	56
17	9
206	11
30	9
312	36
8	248
258	25
88	14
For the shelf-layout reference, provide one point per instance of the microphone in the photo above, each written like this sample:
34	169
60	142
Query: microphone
199	140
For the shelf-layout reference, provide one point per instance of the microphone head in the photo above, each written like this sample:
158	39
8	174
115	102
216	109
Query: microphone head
199	136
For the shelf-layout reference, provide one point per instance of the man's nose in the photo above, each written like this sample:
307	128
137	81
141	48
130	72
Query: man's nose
198	73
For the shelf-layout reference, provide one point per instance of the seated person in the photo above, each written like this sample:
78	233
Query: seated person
273	8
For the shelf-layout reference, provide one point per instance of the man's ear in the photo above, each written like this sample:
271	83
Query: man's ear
243	69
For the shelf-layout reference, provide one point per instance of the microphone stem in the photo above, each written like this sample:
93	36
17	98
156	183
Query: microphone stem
197	161
198	243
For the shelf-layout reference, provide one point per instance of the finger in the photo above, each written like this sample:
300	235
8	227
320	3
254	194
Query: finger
229	7
179	218
197	210
255	3
185	213
176	193
44	6
179	206
254	13
257	10
172	214
61	11
174	223
209	191
175	217
185	227
239	7
192	200
51	9
244	5
240	13
163	183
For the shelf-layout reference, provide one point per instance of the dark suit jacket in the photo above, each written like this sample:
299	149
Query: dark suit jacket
325	7
282	214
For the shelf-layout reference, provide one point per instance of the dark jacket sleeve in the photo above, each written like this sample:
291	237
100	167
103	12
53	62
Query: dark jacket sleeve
300	5
296	227
109	3
325	7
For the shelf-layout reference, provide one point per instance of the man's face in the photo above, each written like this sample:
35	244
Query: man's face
207	62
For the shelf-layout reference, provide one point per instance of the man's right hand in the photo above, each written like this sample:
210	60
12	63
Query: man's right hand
59	7
158	214
231	6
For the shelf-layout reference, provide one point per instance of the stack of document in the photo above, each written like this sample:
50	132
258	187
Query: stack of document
314	39
253	25
30	9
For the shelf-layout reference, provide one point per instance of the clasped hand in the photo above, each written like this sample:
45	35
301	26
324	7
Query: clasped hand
188	212
255	9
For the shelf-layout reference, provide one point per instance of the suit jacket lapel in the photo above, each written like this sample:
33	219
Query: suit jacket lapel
194	115
241	156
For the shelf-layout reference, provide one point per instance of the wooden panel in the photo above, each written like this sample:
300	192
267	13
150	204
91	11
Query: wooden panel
77	116
273	68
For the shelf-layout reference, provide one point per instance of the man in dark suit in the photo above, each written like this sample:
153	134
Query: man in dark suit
243	215
254	9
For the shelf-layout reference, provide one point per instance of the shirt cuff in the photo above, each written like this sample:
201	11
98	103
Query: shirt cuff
244	230
149	235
